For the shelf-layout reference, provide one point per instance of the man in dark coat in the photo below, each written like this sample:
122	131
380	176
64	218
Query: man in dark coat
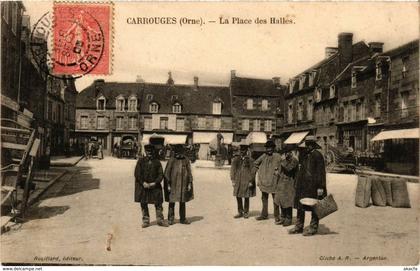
286	188
268	166
178	184
148	189
310	183
242	174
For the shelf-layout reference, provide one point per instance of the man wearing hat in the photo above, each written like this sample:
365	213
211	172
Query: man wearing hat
148	190
268	166
178	184
242	174
310	183
285	195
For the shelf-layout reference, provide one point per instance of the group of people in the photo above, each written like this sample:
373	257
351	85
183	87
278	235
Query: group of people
295	173
177	185
91	148
286	176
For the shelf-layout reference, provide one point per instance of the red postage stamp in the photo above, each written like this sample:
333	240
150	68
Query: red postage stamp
82	38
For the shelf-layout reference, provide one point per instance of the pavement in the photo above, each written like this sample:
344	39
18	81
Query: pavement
79	217
64	161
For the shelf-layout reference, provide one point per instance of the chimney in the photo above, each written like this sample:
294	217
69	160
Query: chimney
139	79
196	82
232	73
98	83
329	51
276	81
170	80
345	48
376	47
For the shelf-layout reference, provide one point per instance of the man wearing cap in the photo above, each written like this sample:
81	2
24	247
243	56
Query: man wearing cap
148	189
268	167
178	184
285	195
242	174
310	183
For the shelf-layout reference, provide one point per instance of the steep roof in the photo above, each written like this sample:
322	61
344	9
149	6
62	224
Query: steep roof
110	90
403	48
253	87
193	100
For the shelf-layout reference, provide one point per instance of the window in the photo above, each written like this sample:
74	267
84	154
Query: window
264	105
132	123
268	125
119	124
180	124
153	108
100	103
163	123
216	123
83	122
217	108
290	113
201	122
132	104
353	79
332	91
378	71
245	124
310	110
119	104
249	104
176	108
291	86
302	81
318	94
312	78
147	123
404	104
100	122
404	67
378	106
149	97
353	111
256	125
300	110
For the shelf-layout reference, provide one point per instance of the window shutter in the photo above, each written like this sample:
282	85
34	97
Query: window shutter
240	124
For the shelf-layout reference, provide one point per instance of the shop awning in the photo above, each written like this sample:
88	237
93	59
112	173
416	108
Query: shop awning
169	139
207	137
256	137
296	138
396	134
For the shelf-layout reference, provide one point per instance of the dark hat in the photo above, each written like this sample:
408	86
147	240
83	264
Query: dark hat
311	140
288	148
243	146
270	144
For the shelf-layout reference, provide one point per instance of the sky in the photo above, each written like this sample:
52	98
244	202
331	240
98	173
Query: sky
212	50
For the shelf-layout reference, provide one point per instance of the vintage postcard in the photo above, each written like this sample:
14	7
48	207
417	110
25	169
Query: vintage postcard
209	133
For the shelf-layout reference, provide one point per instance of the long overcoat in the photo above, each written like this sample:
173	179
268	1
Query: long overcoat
285	195
177	176
149	171
310	177
268	172
242	173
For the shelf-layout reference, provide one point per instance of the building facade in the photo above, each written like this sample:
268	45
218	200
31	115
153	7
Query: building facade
256	105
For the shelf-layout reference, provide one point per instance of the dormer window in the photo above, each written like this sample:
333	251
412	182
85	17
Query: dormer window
149	97
249	104
153	107
132	104
174	97
217	107
353	79
312	78
332	91
291	86
302	81
318	94
100	103
264	105
404	67
120	104
378	71
176	108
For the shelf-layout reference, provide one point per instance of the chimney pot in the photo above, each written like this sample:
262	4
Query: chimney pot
276	81
196	82
232	73
170	80
376	47
345	48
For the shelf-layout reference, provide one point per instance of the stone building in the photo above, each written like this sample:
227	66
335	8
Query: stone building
256	105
